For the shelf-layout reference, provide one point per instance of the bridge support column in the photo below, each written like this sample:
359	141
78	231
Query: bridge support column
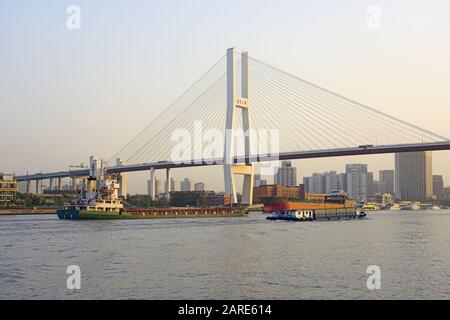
122	180
152	184
230	168
74	183
168	184
38	187
51	186
28	186
59	187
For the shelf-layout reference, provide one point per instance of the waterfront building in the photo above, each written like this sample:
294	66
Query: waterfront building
387	199
277	190
357	181
445	193
387	181
8	189
413	175
438	186
286	175
219	199
199	186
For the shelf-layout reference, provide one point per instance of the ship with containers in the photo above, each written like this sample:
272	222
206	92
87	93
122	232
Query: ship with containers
333	206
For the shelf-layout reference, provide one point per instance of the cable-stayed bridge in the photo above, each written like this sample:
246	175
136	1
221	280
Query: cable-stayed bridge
243	111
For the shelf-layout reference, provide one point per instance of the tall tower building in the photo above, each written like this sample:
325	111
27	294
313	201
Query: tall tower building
172	185
357	181
185	185
199	186
286	175
438	186
413	175
387	181
157	187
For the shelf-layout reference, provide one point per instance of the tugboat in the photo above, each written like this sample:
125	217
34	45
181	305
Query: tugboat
335	206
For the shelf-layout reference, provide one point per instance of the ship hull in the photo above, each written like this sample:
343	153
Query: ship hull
320	215
73	214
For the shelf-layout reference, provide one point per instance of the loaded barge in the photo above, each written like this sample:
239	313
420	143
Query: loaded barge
335	206
100	200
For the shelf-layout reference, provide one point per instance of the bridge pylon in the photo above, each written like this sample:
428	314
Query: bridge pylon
233	101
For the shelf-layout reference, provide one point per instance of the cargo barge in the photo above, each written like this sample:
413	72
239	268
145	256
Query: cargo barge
334	206
99	200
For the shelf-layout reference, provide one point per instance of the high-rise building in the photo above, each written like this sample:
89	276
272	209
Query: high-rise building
257	180
318	183
172	185
413	175
370	185
331	181
438	186
357	181
286	175
321	182
199	186
308	184
157	187
185	185
387	181
342	182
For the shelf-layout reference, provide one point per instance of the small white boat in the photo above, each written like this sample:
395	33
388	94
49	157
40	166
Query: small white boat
395	207
435	207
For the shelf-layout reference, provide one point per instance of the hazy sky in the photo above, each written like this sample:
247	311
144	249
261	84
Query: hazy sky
63	93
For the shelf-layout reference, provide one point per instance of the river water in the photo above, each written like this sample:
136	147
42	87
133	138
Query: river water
227	258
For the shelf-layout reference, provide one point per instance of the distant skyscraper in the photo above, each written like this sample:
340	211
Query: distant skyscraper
185	185
157	187
199	186
318	183
286	175
438	186
257	180
342	181
370	185
387	181
357	181
172	185
331	181
413	175
321	182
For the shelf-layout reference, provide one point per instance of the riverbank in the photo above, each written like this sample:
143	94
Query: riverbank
26	211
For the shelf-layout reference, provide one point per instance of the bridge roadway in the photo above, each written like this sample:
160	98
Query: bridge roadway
361	150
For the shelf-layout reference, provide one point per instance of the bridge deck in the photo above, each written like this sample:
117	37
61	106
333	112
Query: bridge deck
363	150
